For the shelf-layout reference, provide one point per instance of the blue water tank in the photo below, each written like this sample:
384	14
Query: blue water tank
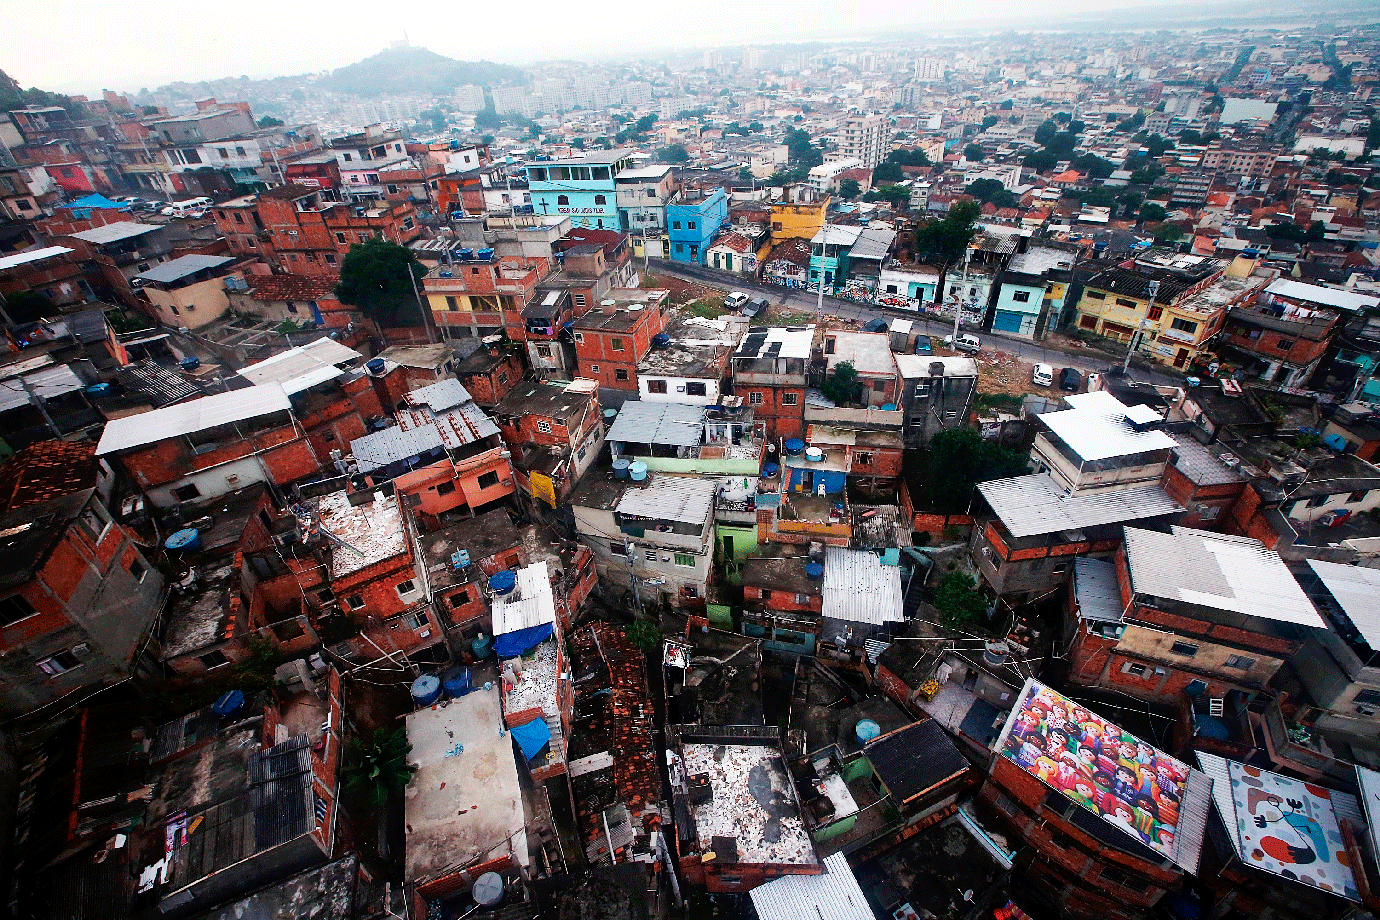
98	390
771	469
610	415
426	689
795	447
375	365
189	363
467	255
814	571
456	681
503	582
482	646
620	468
637	471
228	703
889	407
460	558
184	541
485	255
661	340
866	730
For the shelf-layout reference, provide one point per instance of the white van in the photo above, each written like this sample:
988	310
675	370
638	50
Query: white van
1042	375
183	208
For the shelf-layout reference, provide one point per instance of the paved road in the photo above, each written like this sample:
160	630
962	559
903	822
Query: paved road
805	302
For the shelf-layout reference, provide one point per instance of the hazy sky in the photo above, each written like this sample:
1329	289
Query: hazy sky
133	44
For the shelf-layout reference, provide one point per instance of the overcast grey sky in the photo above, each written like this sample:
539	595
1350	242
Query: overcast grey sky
128	45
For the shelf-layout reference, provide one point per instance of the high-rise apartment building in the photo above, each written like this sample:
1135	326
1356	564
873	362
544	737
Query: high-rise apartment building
865	138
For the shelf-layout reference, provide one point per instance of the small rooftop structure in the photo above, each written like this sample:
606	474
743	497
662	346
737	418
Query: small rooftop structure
666	423
302	367
914	760
114	233
1033	505
192	416
1180	793
1284	826
776	342
868	352
685	499
833	895
1356	589
1316	294
182	267
530	604
1099	427
1095	590
464	804
363	534
1217	572
858	588
31	255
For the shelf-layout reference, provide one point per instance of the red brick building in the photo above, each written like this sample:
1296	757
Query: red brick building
769	374
611	339
490	372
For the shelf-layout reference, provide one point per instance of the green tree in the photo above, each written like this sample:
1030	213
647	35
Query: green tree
268	121
379	768
373	277
676	153
1039	160
961	606
28	307
645	124
1045	133
989	121
957	460
1093	165
487	118
887	172
643	634
895	195
842	384
974	153
1007	105
802	150
1150	211
1167	233
849	189
945	239
991	190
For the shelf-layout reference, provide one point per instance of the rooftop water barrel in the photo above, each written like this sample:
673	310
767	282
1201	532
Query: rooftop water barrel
189	363
184	541
637	471
460	558
485	255
503	582
770	469
866	730
610	415
482	646
426	689
889	407
814	571
814	454
466	255
375	365
228	703
456	682
661	340
795	447
488	890
620	468
98	390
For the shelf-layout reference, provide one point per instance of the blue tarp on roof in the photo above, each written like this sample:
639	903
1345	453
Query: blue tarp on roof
96	201
515	643
532	737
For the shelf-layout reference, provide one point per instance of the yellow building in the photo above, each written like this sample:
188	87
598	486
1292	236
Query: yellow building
803	219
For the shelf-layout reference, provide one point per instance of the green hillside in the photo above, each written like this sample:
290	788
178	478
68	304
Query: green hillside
404	70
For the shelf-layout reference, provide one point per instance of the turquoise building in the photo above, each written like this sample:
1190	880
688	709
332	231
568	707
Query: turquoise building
581	188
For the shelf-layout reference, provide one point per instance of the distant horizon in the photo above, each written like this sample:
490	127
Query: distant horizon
131	61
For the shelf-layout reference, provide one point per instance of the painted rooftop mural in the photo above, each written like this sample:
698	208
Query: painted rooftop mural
1107	771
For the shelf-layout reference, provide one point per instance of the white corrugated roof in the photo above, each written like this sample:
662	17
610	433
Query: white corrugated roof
674	424
1217	571
1357	591
1032	505
441	395
48	383
193	415
113	233
834	895
859	589
529	604
183	267
1096	591
31	255
670	498
380	448
1369	782
1096	428
1325	296
304	366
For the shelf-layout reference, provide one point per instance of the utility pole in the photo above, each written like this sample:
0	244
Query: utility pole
37	402
819	301
962	293
1154	288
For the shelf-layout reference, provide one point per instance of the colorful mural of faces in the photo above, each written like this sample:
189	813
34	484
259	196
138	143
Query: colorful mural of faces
1109	772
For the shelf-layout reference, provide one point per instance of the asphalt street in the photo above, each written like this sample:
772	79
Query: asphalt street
805	302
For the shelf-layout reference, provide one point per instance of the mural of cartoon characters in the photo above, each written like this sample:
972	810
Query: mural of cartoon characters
1098	766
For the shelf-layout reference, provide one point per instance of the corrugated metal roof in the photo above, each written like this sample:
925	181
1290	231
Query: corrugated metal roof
193	415
674	424
529	604
48	383
182	267
464	425
1217	571
1357	591
833	895
1369	782
872	244
670	498
859	589
380	448
1096	428
441	395
113	233
302	367
1326	296
31	255
1032	505
777	341
1096	590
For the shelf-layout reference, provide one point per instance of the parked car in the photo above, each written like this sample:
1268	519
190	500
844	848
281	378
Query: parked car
735	300
876	325
923	345
1070	380
1042	375
754	306
968	344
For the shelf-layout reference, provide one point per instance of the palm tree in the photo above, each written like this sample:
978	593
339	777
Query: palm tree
381	770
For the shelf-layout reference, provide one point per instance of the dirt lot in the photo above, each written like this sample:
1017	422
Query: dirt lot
682	291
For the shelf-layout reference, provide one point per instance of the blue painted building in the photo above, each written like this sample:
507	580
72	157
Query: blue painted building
1019	301
829	255
581	188
693	220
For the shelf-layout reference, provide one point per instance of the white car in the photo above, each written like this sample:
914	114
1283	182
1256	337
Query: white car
735	300
968	344
1042	375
